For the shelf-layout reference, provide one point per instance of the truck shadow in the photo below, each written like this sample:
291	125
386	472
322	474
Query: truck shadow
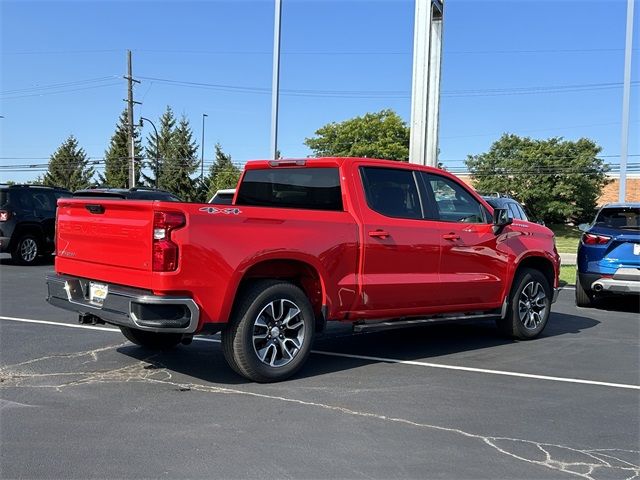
203	359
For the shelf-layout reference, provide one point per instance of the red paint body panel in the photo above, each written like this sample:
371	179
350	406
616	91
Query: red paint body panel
420	267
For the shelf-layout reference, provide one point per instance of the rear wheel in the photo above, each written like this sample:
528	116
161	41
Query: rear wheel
529	306
270	334
26	250
153	340
584	298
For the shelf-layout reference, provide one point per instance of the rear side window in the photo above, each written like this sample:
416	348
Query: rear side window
4	197
513	211
304	188
44	201
392	192
624	218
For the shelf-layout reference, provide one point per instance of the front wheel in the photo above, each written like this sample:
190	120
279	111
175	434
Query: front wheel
529	306
152	340
269	336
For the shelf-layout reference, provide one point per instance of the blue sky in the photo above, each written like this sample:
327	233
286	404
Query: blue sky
330	49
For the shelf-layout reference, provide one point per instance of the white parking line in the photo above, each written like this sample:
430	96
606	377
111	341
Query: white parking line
379	359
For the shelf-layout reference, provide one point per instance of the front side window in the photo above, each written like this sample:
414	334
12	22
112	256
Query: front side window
453	202
391	192
304	188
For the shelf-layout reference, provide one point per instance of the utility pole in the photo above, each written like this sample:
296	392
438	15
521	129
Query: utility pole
275	84
204	115
131	137
626	94
425	91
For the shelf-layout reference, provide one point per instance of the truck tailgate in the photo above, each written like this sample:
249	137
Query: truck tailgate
106	232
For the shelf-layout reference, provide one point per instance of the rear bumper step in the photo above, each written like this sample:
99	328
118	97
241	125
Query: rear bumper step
124	306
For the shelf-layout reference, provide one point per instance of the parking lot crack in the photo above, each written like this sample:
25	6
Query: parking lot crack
591	464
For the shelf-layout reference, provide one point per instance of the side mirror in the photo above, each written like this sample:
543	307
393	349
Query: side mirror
501	219
583	227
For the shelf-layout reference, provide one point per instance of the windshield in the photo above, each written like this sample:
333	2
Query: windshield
624	218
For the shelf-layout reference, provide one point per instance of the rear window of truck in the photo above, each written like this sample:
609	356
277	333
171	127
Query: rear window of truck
304	188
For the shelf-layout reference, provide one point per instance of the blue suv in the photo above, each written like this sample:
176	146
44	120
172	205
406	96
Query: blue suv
609	254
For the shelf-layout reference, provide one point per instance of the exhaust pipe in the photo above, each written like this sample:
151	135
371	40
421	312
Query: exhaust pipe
597	287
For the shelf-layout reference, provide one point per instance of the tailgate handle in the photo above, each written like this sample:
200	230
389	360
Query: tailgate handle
96	209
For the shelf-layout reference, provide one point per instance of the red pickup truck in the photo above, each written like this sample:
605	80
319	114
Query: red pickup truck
376	243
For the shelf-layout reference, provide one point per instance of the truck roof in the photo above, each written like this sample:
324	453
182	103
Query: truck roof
332	162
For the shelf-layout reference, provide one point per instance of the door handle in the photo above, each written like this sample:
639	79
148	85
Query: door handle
451	236
379	234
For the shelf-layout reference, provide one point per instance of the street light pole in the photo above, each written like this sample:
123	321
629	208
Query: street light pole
275	83
204	115
626	94
157	150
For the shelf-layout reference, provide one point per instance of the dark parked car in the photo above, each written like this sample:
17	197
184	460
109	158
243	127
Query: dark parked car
27	220
609	254
516	211
137	193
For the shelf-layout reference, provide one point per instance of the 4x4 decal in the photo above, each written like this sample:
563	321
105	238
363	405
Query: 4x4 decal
226	211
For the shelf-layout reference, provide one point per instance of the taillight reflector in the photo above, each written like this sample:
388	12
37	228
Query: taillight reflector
4	215
165	252
591	239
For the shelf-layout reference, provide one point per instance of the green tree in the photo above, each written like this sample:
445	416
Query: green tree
375	135
69	167
158	149
116	172
557	179
223	173
183	162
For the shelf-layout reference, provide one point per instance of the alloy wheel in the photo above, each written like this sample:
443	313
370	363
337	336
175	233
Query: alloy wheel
278	333
532	305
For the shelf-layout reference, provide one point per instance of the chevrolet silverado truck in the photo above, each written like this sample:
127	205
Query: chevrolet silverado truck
376	243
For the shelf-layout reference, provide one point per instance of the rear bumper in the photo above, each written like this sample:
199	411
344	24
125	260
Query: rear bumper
625	281
4	244
124	306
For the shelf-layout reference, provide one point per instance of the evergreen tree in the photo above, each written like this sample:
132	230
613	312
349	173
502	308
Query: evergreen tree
223	173
116	173
69	167
183	162
159	149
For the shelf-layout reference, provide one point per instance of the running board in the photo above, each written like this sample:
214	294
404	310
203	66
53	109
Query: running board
416	322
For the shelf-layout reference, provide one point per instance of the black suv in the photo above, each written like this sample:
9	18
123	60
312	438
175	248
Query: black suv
27	220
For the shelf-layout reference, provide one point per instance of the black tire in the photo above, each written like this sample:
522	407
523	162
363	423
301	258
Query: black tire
26	250
584	298
152	340
260	311
536	313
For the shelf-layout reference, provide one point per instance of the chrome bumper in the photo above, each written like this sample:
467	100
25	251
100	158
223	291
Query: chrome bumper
625	280
124	306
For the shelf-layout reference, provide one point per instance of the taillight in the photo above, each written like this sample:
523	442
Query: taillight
4	215
591	239
165	252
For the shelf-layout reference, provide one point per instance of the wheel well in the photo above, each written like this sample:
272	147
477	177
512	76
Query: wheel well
541	264
26	229
297	272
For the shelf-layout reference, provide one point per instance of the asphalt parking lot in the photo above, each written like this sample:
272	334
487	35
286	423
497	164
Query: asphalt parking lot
449	401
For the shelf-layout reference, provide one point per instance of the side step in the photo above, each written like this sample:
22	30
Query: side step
376	325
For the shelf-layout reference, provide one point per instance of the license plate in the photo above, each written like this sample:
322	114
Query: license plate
636	248
98	292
